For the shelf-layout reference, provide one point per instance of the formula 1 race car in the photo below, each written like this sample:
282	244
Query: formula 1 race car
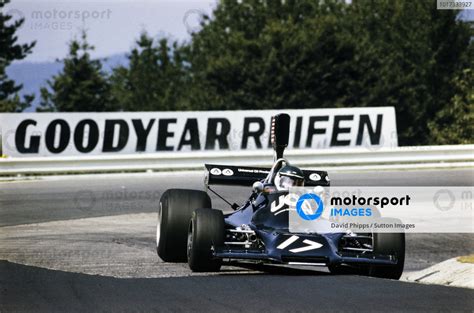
189	229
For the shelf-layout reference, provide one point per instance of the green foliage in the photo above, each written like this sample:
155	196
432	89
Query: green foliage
258	55
454	124
15	104
10	51
308	54
82	86
408	52
154	80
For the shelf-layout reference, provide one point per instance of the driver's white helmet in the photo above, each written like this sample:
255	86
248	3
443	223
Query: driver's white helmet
289	176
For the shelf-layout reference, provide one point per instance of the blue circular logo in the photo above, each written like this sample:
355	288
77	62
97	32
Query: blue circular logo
315	198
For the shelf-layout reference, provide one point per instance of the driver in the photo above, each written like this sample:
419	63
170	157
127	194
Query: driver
289	176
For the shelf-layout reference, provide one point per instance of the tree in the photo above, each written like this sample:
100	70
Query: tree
313	54
408	53
155	78
454	124
82	86
273	54
10	51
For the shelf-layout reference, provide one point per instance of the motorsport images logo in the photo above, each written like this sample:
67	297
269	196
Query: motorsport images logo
304	213
310	206
415	209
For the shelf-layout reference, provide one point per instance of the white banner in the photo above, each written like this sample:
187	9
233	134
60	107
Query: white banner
71	134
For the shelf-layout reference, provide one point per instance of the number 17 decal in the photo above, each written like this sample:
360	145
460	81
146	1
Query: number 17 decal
310	245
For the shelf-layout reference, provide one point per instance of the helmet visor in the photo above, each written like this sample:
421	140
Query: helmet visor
288	182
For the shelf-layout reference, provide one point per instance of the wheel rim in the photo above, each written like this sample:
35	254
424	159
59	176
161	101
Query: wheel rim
190	242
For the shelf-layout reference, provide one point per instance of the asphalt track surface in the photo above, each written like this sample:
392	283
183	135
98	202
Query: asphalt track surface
86	243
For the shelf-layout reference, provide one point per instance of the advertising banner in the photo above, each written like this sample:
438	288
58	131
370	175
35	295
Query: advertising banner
74	134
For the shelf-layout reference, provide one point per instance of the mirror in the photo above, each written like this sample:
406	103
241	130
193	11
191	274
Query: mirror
257	187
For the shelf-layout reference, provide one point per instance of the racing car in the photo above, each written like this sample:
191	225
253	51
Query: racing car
190	230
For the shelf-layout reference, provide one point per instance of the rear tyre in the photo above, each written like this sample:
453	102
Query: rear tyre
389	244
174	213
206	231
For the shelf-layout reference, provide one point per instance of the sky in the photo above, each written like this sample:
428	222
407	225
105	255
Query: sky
112	25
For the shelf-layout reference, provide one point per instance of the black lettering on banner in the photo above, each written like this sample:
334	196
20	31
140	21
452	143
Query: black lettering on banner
336	130
191	128
110	132
64	136
212	136
20	138
142	133
296	142
313	130
255	134
373	135
92	138
164	134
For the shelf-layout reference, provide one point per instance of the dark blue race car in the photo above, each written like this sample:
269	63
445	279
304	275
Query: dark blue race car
190	229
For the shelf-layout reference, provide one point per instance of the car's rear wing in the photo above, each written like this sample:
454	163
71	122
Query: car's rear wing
246	176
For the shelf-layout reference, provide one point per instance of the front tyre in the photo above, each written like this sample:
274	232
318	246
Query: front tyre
206	231
174	213
389	244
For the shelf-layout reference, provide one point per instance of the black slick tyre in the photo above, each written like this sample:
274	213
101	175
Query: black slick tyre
392	244
174	213
206	231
